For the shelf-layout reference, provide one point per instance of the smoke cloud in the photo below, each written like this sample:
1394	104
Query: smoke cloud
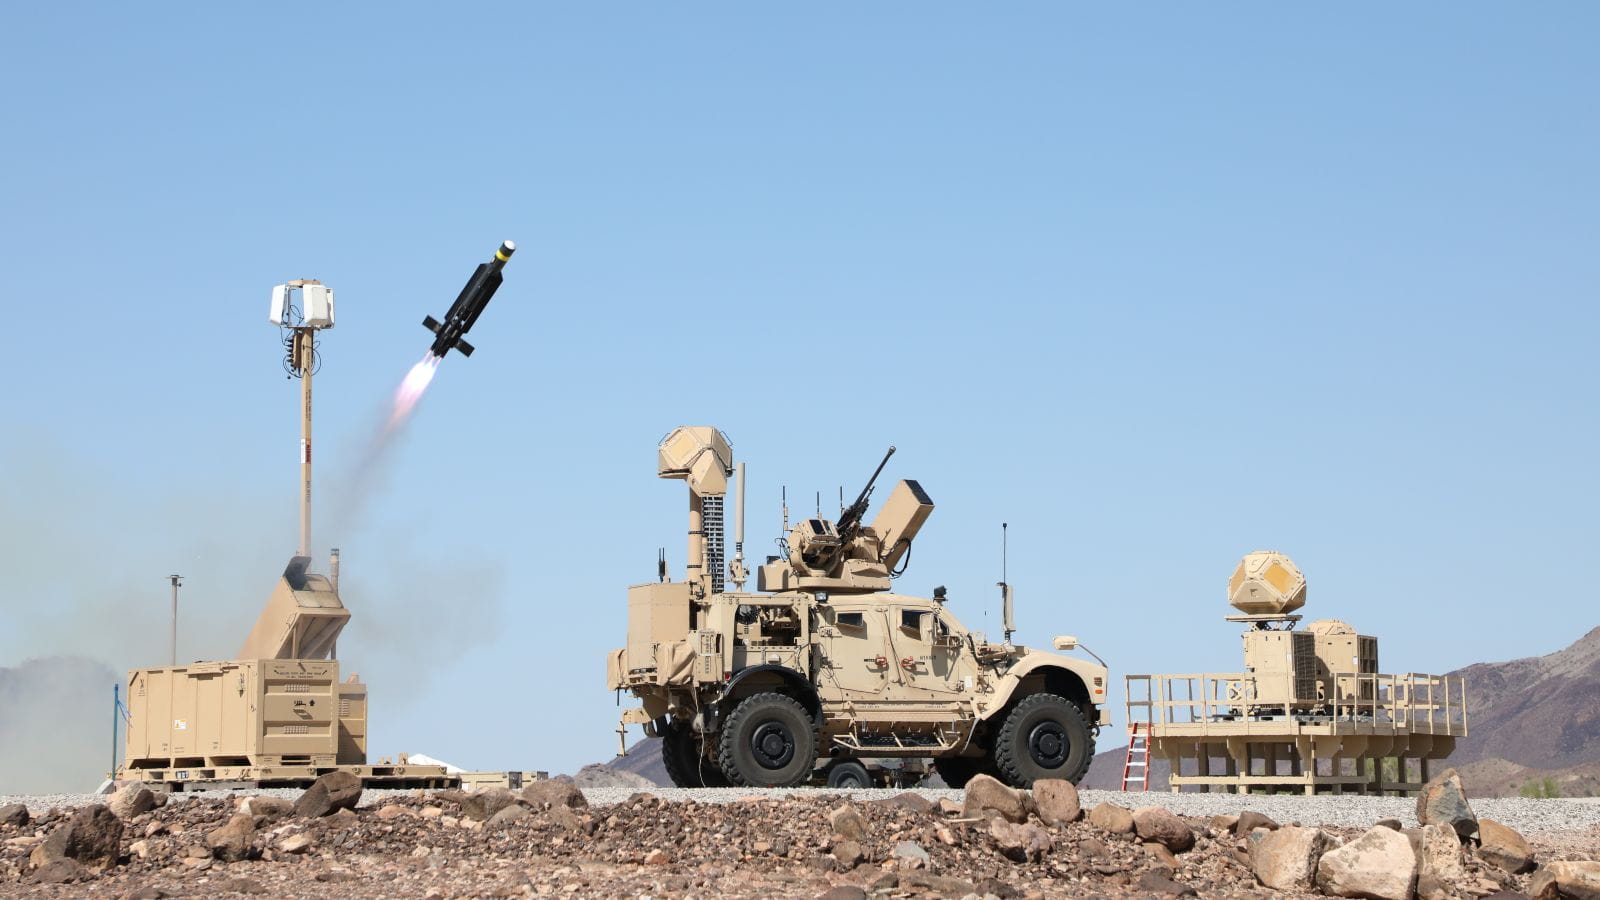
86	554
55	725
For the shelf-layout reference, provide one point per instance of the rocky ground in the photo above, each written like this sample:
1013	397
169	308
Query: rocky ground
549	840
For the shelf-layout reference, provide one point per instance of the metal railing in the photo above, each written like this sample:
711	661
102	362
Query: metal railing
1413	702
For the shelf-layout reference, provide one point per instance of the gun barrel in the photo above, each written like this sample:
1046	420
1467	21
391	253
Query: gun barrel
859	508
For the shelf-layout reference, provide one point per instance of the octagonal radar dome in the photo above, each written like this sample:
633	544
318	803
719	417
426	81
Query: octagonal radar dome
1267	583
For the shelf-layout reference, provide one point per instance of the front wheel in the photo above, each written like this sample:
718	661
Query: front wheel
1045	736
768	741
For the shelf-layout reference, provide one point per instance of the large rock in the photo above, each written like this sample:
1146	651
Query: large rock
1152	823
1380	865
271	807
847	823
1286	859
1438	851
1057	801
231	842
14	814
987	797
1504	847
848	854
482	806
913	803
1249	821
910	855
1222	823
92	837
131	800
550	794
1571	880
1444	800
329	794
1155	884
511	812
1111	817
1022	842
61	871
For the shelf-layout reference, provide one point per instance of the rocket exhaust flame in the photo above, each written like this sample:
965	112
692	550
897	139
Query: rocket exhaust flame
410	391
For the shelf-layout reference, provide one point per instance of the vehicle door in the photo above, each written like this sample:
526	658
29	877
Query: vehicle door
952	661
857	664
915	652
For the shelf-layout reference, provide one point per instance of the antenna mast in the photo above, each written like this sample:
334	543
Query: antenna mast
314	314
1007	622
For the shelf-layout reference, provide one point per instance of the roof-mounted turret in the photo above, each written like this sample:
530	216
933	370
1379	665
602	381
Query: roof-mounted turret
850	557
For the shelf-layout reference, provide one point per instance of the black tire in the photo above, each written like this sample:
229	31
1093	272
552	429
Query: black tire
849	775
956	771
680	753
768	741
1044	736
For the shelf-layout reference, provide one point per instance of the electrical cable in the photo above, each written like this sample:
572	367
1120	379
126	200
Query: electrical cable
905	561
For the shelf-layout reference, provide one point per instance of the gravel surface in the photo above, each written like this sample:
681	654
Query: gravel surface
1525	815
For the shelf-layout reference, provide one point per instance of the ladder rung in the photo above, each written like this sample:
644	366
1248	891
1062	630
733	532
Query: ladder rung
1134	778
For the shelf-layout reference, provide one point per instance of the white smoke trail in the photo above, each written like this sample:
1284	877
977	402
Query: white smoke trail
357	486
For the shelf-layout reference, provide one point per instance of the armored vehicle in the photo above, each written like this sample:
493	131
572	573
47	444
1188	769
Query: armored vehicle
825	664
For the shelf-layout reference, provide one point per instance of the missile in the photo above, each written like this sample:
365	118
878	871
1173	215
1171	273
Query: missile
469	305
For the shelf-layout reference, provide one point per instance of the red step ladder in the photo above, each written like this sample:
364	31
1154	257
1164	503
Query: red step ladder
1138	757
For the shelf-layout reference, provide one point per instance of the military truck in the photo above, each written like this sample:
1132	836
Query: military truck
825	664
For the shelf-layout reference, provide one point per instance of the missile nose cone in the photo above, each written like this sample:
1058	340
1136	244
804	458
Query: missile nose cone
506	249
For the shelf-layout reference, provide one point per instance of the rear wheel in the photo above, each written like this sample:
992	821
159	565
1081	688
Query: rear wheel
849	775
680	753
1045	736
768	741
956	771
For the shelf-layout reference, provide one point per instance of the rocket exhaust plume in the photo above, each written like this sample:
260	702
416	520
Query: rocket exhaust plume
358	484
410	391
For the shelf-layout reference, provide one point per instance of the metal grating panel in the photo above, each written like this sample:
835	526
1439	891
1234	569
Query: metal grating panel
1303	651
712	524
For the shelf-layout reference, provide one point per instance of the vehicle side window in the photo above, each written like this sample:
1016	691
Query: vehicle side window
911	622
851	620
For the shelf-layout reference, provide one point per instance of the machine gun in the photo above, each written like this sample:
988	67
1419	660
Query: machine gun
850	519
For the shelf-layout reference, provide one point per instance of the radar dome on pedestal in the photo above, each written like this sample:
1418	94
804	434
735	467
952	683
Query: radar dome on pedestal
1267	583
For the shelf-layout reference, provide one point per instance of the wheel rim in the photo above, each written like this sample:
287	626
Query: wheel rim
772	745
1048	744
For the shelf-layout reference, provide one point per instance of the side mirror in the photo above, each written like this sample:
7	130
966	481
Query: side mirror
1065	642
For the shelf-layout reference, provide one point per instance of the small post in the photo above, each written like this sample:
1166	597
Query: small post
177	582
116	710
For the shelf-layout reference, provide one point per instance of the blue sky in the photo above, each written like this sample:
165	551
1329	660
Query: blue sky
1156	287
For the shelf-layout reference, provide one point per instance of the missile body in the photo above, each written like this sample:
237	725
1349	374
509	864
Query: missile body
469	305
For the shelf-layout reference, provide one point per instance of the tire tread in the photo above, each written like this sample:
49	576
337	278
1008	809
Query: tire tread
1005	742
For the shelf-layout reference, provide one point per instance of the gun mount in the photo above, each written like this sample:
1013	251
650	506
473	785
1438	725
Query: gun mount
849	556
